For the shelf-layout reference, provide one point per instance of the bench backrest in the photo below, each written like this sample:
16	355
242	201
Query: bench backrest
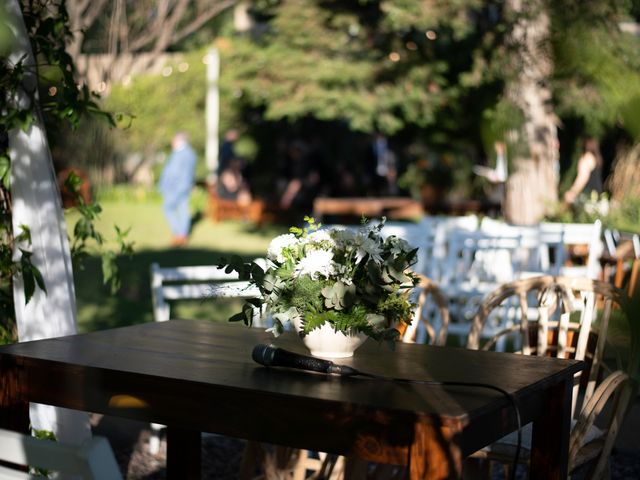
93	460
196	282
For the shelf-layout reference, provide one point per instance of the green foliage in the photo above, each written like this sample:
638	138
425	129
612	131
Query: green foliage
42	435
625	215
597	72
367	63
153	107
9	268
86	234
47	24
619	215
305	294
355	281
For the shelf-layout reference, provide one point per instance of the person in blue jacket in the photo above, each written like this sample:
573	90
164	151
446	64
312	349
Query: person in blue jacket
175	186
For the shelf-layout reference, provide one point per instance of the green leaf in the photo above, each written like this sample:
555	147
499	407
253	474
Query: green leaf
238	317
31	276
256	302
5	171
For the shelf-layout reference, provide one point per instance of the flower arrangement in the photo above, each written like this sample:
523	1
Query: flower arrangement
356	281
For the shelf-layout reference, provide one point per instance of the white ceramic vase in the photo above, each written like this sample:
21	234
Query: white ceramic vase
325	342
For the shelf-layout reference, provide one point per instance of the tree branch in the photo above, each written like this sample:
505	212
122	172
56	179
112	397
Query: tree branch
201	19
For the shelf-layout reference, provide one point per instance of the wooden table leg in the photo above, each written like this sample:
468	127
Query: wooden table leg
14	410
550	441
183	454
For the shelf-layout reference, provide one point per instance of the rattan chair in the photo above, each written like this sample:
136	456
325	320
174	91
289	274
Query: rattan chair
433	317
566	318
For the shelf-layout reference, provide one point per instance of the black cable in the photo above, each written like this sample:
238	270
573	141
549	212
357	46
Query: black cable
445	383
272	356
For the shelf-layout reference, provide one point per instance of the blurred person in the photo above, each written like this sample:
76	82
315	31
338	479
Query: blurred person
232	184
302	178
589	176
498	175
175	185
384	163
227	149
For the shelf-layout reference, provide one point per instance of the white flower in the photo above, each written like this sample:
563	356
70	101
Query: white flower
315	263
343	236
320	236
368	246
278	244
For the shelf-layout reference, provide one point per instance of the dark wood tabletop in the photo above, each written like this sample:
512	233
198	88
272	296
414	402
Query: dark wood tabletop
198	376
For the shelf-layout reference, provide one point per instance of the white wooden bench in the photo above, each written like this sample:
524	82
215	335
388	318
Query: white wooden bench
197	282
205	282
92	460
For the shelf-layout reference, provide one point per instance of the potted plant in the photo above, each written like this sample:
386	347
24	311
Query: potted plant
336	286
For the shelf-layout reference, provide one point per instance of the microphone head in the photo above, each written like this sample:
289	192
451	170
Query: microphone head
263	354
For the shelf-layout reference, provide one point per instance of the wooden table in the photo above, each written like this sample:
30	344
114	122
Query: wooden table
370	207
198	376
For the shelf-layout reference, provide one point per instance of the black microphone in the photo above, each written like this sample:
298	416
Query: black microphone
272	356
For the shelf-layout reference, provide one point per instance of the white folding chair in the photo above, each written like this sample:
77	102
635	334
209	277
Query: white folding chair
92	460
476	264
419	235
559	238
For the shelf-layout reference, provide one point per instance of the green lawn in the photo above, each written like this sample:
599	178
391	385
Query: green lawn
99	309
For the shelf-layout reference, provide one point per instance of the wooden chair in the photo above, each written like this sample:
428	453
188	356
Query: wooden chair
93	460
566	318
430	322
224	209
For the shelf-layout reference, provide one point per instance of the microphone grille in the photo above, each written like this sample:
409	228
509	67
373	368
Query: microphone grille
263	354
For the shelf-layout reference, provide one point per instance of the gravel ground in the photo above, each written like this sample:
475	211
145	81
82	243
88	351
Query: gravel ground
221	456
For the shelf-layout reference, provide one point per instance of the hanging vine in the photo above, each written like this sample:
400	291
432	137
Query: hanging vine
47	25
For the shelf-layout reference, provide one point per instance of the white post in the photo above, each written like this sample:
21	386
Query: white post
36	204
212	115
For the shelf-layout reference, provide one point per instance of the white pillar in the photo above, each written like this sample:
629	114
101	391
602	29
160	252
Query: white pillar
212	115
36	204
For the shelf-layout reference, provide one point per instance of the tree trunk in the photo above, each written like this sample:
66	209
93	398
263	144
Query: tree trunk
533	187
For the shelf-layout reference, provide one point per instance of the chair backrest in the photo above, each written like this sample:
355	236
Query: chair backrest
430	322
567	318
196	282
559	238
93	460
479	257
444	228
419	235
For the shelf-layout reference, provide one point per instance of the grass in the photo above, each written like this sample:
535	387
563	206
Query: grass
99	309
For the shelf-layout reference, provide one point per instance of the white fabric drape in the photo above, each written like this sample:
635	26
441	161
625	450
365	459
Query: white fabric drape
36	204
